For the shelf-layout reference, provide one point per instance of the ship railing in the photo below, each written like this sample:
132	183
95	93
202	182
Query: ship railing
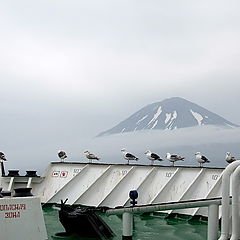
127	213
230	177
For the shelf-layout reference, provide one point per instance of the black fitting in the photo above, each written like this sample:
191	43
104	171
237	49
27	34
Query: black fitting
13	173
22	192
6	193
126	237
133	195
31	173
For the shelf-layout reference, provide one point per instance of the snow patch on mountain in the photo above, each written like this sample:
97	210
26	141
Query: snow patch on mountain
154	125
168	117
156	115
198	117
141	119
170	124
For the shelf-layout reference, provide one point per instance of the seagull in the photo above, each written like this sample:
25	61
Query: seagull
173	158
62	155
152	156
91	156
2	156
201	159
128	156
229	158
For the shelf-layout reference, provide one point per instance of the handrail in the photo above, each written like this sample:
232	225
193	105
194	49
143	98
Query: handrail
225	199
165	206
127	213
235	204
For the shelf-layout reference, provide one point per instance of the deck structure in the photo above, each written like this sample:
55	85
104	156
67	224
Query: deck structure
108	185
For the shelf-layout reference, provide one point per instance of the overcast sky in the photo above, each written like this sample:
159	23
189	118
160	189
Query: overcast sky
71	69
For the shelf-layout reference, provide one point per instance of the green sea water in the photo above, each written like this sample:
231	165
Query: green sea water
155	227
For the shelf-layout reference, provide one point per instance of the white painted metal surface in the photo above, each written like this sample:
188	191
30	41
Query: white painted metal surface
127	222
22	218
109	184
225	199
213	217
213	213
235	204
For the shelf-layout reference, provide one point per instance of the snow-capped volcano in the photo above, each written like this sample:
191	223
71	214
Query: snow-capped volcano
171	113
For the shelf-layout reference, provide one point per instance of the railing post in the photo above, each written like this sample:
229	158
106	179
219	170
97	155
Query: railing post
29	182
213	217
235	204
10	184
127	221
226	198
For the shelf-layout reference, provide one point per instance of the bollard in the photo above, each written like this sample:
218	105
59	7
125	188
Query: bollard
213	216
127	221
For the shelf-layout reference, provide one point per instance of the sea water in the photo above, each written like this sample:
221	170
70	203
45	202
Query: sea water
156	227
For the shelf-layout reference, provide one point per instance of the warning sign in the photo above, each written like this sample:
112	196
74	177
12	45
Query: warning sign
55	173
64	174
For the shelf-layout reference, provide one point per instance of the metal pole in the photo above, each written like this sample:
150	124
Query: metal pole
127	221
213	216
2	169
165	206
10	184
235	205
29	182
225	199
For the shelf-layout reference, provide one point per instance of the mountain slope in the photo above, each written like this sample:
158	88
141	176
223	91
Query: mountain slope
172	113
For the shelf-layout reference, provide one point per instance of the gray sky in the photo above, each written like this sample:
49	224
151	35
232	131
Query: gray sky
71	69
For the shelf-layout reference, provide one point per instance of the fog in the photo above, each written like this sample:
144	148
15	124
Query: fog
72	69
213	142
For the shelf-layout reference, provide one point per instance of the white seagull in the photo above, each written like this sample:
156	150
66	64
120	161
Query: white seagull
173	158
2	157
91	156
201	159
229	158
62	155
152	156
128	156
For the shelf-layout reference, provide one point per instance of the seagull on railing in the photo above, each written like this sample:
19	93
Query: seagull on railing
173	158
2	156
201	159
62	155
229	158
152	156
128	156
91	156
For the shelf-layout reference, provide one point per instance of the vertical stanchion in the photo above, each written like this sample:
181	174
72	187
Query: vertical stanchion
127	221
213	217
235	205
10	184
29	182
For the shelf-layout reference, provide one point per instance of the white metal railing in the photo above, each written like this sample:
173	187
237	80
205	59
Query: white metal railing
230	169
233	170
212	204
235	204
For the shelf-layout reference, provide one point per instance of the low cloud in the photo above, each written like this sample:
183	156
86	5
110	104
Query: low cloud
211	141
